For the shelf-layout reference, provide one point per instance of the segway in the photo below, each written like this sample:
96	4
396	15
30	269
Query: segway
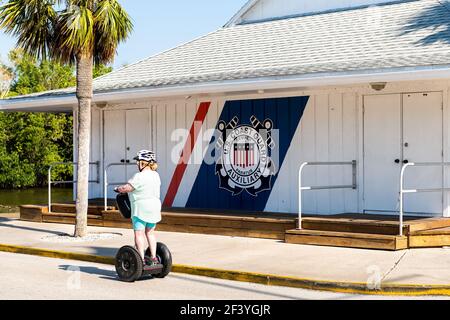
129	264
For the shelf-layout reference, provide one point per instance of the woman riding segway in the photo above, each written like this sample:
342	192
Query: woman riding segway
140	199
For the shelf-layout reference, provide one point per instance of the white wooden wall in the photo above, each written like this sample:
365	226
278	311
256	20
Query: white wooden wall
327	132
331	130
168	117
266	9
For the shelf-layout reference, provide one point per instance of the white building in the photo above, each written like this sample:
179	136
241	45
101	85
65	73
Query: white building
339	80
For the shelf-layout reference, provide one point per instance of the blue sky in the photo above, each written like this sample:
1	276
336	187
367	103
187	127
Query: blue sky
161	25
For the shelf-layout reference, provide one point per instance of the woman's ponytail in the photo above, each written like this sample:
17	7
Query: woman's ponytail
153	166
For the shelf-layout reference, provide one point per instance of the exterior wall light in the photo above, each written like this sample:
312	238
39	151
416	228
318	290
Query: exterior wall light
378	86
101	105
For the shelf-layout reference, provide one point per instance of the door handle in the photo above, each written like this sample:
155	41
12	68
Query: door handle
405	161
397	160
128	161
122	160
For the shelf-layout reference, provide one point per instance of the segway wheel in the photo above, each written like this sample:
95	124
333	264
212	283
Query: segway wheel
128	264
165	258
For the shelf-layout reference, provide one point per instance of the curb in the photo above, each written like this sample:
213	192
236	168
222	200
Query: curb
260	278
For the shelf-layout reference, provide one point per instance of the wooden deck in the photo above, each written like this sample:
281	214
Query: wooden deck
344	230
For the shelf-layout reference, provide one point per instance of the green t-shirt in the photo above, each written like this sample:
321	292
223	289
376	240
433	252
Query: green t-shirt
145	199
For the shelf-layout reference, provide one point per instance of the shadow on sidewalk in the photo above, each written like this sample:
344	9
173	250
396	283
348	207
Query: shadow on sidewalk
3	224
103	273
104	251
220	284
109	274
112	275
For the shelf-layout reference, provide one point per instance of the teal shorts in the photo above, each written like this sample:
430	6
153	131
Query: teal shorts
140	225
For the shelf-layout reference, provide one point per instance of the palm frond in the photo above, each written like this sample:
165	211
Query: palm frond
90	4
32	22
112	26
62	29
74	33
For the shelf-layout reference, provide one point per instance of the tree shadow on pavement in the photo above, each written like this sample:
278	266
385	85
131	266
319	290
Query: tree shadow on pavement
6	225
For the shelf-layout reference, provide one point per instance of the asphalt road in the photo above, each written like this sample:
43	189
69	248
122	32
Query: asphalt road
31	277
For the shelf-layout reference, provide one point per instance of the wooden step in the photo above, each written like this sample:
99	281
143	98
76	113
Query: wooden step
249	233
438	231
430	238
32	212
71	208
113	219
239	222
420	225
228	225
429	241
69	218
113	215
345	239
352	226
382	225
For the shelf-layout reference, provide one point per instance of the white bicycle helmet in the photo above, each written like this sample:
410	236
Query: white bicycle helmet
145	155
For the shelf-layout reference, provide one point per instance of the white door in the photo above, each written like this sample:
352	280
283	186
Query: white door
401	128
382	152
422	142
137	136
114	146
125	133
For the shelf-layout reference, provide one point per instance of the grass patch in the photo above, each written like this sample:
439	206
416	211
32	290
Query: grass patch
8	209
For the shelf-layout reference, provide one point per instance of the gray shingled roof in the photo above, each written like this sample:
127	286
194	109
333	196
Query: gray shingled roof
397	35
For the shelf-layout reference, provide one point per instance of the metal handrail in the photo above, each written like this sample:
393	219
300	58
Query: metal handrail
403	191
50	182
106	183
302	188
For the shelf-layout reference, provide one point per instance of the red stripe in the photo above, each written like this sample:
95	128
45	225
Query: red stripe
186	154
246	158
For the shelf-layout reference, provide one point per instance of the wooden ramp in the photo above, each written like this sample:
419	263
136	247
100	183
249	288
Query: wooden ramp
369	231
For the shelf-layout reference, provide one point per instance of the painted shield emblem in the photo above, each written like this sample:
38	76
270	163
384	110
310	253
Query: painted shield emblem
245	162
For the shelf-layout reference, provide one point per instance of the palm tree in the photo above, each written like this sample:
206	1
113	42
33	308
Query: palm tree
81	32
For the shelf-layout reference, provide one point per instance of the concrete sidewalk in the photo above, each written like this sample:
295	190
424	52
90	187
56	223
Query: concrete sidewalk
411	267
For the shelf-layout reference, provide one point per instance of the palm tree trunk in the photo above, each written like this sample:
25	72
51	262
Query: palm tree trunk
84	95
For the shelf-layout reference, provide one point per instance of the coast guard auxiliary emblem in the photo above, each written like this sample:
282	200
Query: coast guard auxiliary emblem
245	162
